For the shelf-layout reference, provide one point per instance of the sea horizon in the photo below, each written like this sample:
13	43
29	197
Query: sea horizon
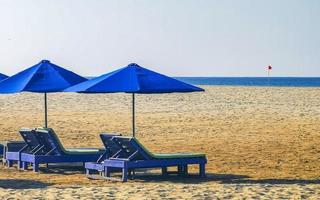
249	81
254	81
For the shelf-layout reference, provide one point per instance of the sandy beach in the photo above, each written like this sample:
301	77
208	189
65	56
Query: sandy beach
260	142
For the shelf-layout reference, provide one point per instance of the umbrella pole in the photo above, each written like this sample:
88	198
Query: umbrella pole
45	111
133	116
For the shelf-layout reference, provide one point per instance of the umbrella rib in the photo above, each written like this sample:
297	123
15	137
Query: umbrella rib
135	75
28	81
61	75
102	79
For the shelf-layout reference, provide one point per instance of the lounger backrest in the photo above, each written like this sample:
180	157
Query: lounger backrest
30	138
50	140
111	147
131	149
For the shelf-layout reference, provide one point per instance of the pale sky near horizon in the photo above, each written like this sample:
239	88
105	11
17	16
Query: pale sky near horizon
174	37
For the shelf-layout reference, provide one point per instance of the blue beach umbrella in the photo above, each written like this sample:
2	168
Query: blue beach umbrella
44	77
2	76
133	79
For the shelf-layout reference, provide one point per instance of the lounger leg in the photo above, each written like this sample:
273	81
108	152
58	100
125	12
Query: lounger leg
107	172
35	167
164	171
24	166
10	163
125	173
180	170
185	170
202	170
133	174
87	172
19	164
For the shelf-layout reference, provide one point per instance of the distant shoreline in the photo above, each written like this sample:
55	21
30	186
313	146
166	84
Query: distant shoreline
252	81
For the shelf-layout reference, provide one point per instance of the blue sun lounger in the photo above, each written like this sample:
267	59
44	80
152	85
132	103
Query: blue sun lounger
32	146
110	149
131	155
56	152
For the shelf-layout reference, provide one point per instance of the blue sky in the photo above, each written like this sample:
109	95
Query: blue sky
175	37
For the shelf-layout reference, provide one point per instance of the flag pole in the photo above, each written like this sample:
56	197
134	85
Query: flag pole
268	77
268	70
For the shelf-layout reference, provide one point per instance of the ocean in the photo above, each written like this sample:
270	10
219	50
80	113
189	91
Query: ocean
254	81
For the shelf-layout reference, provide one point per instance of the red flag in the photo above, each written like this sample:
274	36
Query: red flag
269	67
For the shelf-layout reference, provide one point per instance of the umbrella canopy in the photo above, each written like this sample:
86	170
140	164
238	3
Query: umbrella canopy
2	76
133	79
44	77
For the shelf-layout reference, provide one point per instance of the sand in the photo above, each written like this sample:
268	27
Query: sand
170	191
259	141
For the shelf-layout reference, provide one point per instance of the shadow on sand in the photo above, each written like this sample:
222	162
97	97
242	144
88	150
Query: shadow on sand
22	184
271	181
222	178
155	177
63	170
190	179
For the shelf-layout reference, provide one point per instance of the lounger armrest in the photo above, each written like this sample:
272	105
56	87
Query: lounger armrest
123	159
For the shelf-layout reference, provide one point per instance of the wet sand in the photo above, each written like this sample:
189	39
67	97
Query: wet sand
259	141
